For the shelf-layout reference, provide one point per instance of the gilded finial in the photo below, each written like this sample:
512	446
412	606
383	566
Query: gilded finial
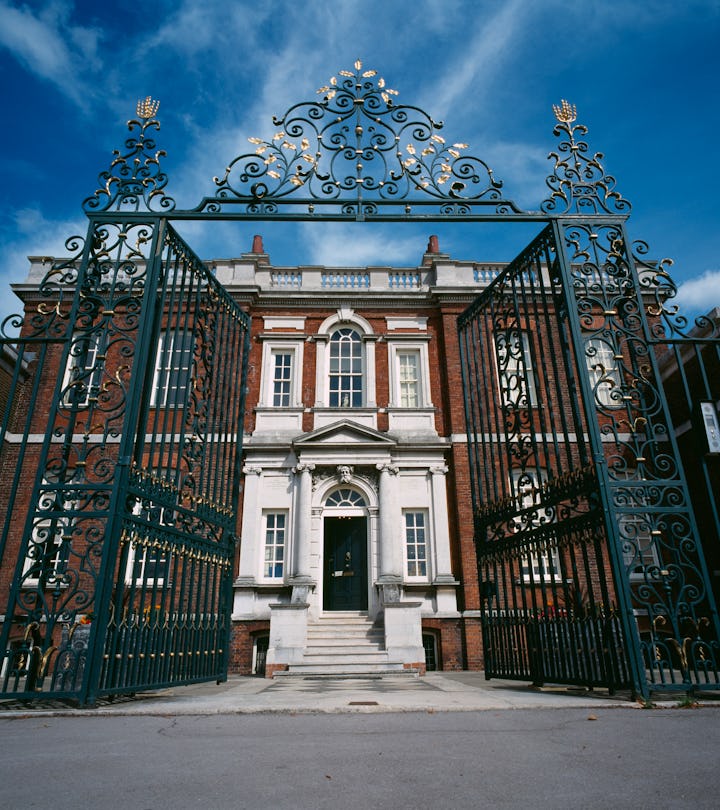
147	107
566	112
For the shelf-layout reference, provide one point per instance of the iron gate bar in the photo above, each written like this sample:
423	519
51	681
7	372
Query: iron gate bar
78	664
117	507
550	635
353	155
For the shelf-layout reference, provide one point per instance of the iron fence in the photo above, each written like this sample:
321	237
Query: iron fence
120	458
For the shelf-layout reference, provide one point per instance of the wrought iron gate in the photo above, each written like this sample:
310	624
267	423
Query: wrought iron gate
121	440
121	445
589	557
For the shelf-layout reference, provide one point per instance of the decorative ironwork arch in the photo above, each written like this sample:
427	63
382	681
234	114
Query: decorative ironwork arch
355	154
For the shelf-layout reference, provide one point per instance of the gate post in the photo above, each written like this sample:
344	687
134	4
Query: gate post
587	399
649	517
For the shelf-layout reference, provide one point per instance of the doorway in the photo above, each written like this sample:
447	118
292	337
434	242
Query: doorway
345	566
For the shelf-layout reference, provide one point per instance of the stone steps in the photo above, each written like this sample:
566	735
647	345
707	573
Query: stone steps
343	645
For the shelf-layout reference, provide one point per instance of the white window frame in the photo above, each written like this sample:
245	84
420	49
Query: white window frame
282	375
545	567
411	543
272	533
165	368
645	546
602	366
345	317
354	338
271	350
88	374
536	567
518	370
396	350
64	528
167	518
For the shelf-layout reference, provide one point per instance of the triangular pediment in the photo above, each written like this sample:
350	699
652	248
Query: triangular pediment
341	434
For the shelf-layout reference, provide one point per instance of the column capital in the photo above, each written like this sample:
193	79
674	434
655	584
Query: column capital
441	469
252	469
303	467
392	469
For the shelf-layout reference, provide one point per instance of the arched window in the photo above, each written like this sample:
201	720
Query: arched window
345	369
345	497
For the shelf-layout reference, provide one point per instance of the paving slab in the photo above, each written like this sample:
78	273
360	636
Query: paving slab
434	692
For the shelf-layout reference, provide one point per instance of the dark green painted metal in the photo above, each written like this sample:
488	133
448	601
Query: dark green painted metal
139	495
548	613
579	462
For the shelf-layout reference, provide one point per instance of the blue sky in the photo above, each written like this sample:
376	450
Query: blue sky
644	76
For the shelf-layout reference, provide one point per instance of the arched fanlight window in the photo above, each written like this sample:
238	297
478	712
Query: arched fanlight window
345	497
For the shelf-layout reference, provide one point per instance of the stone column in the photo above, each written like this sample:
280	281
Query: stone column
390	562
443	580
301	569
250	548
443	565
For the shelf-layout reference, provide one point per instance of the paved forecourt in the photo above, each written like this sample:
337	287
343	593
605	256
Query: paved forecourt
435	692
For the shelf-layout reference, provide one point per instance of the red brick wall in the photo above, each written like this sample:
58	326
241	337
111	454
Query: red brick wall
450	642
242	639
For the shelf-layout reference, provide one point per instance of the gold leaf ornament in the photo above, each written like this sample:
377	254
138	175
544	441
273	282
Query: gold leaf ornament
565	112
147	107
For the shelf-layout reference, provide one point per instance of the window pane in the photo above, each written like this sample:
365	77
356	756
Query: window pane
416	552
408	365
83	375
173	364
345	385
604	372
282	377
274	545
515	371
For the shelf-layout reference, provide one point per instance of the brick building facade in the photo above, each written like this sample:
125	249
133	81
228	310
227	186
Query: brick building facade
356	547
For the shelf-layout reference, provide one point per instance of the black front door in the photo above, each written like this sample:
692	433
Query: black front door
345	581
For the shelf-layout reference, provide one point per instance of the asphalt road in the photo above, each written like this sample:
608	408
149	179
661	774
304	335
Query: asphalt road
554	758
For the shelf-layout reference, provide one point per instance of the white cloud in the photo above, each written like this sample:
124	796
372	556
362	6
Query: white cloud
483	53
51	48
343	245
522	167
31	235
699	295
